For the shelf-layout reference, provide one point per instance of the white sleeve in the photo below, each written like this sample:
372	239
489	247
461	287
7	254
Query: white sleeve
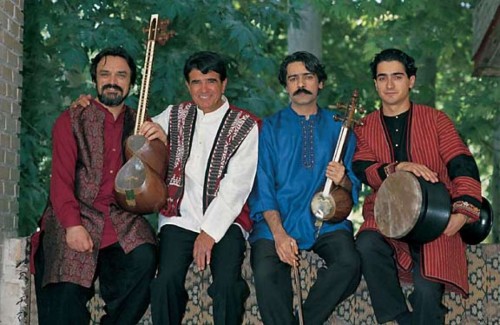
234	188
163	118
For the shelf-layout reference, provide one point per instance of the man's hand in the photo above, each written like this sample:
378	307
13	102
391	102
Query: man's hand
83	100
335	171
287	249
202	250
286	246
457	221
153	131
418	170
78	239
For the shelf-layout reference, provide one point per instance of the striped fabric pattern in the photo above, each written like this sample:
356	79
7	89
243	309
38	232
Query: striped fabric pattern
432	141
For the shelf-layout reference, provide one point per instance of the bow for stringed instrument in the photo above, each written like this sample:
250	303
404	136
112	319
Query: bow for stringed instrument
334	203
140	184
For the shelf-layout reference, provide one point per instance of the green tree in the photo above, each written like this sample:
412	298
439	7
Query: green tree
62	36
439	36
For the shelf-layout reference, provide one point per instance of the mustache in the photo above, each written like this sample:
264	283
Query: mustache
302	90
112	86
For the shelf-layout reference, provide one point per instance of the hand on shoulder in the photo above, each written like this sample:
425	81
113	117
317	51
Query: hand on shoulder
83	100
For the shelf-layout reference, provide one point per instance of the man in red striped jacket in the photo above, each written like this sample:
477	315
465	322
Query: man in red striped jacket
404	136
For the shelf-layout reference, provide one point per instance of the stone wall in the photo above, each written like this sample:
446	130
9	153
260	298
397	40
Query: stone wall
11	51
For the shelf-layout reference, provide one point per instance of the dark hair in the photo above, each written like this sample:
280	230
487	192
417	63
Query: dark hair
394	55
205	61
310	61
114	51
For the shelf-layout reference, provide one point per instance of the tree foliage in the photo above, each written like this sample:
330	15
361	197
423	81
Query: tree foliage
61	36
438	34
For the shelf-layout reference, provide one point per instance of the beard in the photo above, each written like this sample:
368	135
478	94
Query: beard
114	99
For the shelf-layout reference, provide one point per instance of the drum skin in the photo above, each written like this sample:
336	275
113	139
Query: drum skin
411	209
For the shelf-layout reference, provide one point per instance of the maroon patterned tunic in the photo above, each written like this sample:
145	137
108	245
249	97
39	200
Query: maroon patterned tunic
63	264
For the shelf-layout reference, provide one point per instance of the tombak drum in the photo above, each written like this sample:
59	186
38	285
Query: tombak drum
411	209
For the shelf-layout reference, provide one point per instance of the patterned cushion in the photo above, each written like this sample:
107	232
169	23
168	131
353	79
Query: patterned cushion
480	308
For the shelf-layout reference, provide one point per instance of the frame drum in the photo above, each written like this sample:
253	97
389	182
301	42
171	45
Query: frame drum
409	208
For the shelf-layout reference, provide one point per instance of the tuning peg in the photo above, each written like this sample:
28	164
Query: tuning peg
161	32
163	38
342	119
340	106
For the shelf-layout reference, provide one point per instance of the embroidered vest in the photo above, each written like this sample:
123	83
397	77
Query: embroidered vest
62	263
234	128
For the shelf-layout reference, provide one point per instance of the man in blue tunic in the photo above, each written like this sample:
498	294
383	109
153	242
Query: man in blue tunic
296	146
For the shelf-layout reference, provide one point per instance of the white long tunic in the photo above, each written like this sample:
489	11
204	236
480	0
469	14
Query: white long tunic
234	187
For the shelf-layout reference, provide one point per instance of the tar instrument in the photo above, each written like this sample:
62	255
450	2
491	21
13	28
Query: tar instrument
140	184
334	203
414	210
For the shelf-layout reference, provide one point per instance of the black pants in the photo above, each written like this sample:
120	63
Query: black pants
228	290
338	279
124	281
380	273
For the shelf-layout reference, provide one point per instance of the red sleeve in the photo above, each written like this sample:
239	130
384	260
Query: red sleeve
62	183
465	182
366	135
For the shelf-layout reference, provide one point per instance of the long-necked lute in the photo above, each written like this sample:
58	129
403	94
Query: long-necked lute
334	203
140	184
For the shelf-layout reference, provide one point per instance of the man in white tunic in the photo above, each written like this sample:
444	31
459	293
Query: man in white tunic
213	158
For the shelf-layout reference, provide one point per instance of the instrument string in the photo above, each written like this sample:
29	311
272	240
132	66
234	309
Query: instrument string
337	156
146	80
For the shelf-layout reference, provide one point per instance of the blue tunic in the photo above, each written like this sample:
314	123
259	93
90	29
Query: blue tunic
293	155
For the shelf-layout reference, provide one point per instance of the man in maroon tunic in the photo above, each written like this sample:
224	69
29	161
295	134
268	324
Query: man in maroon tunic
84	234
404	136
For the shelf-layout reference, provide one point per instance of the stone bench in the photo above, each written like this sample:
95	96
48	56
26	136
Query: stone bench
482	306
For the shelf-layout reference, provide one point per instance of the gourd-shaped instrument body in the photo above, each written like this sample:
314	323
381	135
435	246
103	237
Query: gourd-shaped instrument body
140	184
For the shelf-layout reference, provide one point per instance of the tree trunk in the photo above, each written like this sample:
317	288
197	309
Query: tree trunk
306	36
426	81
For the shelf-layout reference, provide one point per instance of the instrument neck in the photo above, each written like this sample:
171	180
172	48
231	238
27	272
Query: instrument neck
143	98
337	155
146	79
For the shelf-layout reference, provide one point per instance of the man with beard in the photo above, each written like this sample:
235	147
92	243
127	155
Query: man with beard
84	234
213	157
296	147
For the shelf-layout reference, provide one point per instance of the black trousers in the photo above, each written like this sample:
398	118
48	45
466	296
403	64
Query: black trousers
380	272
124	281
228	290
336	281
